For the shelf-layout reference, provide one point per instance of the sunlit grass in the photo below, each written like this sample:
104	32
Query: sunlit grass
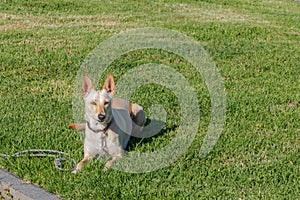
256	49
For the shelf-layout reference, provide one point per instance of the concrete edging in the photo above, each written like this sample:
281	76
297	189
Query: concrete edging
13	187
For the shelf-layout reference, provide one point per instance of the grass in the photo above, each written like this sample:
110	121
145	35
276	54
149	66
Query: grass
255	45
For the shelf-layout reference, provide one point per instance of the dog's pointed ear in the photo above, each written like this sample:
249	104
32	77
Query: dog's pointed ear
87	86
109	85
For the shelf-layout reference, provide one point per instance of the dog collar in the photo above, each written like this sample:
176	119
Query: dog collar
98	130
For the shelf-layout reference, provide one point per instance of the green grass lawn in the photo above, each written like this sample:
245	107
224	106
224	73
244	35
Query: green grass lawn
256	48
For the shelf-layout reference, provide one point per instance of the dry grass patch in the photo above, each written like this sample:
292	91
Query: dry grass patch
29	21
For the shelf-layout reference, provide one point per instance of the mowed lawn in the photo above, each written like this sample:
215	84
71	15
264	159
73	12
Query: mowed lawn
256	48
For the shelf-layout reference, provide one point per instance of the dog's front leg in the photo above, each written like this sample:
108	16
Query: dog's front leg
111	161
79	166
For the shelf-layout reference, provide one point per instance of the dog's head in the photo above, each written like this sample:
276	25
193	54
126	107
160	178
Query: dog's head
98	102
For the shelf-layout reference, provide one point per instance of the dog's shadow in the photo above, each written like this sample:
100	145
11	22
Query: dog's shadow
153	128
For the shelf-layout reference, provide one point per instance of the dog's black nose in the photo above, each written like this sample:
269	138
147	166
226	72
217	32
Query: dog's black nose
101	117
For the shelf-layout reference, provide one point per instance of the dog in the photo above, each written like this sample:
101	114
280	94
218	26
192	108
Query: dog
109	122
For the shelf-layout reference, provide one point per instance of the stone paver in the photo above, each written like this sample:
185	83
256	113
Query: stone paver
12	187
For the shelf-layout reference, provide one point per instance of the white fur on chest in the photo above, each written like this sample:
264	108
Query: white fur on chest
95	143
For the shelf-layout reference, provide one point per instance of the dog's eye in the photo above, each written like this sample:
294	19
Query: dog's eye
106	103
93	103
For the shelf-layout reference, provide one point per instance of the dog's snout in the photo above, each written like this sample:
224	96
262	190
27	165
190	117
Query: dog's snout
101	117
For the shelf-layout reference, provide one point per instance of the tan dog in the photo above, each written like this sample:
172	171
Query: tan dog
109	122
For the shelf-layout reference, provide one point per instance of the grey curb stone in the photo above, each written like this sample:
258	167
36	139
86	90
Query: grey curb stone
12	187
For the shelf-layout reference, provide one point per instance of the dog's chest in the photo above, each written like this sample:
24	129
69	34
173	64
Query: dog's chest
95	143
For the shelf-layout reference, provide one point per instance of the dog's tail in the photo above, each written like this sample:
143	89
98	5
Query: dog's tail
77	127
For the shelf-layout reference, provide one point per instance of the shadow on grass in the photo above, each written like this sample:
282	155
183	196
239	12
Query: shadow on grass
149	133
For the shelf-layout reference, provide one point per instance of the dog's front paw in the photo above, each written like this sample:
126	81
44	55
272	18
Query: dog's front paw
107	165
104	169
77	169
